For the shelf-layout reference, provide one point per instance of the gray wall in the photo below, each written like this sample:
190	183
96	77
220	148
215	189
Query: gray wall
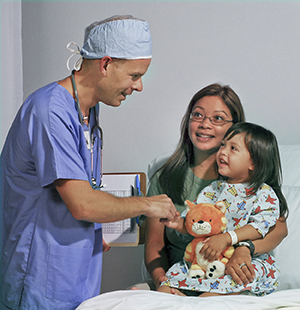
254	47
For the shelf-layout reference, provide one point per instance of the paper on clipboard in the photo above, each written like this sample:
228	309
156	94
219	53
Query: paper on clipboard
125	232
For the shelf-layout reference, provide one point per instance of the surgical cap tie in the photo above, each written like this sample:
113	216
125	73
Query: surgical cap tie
74	52
121	38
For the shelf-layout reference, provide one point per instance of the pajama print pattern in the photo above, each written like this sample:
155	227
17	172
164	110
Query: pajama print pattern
260	210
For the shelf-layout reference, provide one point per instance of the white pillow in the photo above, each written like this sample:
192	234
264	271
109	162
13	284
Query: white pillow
289	156
157	163
288	252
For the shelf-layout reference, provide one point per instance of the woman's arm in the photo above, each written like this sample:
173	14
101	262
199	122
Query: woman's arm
273	238
156	258
242	255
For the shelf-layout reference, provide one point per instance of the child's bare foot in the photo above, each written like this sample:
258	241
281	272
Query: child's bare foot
208	294
170	290
174	291
164	289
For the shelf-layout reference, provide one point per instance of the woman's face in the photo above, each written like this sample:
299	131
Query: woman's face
205	136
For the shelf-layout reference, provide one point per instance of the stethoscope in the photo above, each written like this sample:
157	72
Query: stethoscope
95	130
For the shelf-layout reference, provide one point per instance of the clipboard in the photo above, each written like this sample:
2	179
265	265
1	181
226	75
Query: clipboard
123	233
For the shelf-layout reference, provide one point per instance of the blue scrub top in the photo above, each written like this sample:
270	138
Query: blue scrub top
50	260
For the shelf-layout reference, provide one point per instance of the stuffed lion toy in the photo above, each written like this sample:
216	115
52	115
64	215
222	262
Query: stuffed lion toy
204	220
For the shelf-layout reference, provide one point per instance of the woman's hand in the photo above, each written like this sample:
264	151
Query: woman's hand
241	255
239	266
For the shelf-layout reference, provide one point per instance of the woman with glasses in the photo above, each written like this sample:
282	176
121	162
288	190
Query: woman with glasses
210	113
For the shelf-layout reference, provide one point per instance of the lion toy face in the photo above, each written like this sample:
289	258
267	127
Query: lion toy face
205	219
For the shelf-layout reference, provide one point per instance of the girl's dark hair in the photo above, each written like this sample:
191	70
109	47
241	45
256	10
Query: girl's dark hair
263	148
173	172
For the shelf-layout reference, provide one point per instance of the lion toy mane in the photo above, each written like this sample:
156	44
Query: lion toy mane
204	220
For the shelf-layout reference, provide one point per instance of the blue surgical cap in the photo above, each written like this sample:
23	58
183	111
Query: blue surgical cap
121	38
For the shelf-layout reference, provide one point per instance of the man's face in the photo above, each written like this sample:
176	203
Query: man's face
122	78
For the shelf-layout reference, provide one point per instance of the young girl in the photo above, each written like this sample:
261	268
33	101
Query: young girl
248	161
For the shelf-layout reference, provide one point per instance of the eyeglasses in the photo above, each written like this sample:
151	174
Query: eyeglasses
216	120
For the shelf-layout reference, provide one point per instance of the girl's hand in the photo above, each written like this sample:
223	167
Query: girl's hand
214	246
239	266
177	223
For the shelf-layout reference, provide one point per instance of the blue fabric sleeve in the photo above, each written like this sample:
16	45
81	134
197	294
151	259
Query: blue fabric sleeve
57	139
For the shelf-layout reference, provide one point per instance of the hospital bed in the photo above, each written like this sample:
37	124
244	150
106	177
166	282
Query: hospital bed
287	296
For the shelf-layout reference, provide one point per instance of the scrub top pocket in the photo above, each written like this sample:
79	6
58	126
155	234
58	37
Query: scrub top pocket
67	271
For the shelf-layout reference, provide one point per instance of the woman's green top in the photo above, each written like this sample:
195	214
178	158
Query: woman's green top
175	242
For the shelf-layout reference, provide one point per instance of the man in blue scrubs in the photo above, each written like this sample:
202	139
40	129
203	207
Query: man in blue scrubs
51	246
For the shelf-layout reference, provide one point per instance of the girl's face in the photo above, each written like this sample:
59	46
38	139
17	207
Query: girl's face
234	160
205	136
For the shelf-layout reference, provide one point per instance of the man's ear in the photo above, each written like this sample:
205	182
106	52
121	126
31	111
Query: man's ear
104	62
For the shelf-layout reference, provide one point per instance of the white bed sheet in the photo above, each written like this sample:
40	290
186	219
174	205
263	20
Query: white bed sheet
150	300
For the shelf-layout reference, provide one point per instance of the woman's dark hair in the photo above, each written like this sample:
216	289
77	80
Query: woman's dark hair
173	172
263	148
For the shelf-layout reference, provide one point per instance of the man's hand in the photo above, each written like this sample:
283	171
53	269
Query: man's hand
160	207
105	247
173	224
